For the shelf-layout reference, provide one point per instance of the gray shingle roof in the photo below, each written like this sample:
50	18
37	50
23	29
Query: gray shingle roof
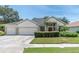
40	21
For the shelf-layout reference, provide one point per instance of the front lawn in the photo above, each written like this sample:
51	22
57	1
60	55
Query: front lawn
2	24
52	50
56	40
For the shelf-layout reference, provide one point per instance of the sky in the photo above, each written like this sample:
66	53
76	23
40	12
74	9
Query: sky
71	12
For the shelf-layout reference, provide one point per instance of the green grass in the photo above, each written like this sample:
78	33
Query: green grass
52	50
56	40
2	24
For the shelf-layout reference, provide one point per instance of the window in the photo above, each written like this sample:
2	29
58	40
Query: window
42	28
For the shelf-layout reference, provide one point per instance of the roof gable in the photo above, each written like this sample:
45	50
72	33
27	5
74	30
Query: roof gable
51	20
27	23
54	19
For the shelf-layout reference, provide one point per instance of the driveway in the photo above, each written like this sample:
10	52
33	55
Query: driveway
14	43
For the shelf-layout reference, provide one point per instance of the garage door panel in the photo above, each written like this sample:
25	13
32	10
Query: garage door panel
11	30
27	30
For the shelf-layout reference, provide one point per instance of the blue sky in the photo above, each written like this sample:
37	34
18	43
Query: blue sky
30	11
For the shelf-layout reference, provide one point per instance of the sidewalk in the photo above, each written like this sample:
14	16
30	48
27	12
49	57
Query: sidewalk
52	45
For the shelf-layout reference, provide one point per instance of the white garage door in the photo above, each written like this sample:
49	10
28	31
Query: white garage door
27	30
10	30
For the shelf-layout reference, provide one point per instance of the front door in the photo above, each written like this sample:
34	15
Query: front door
50	29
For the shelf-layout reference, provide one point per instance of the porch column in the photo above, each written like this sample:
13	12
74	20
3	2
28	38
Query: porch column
45	28
57	27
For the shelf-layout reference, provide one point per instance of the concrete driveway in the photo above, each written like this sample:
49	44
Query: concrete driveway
14	44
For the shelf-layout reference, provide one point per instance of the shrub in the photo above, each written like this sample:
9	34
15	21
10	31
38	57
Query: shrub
68	34
46	34
77	31
2	28
63	28
2	33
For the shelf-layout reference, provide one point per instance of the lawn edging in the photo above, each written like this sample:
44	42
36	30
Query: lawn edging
51	45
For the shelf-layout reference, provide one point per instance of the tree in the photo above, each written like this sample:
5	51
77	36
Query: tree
45	17
64	19
9	14
63	28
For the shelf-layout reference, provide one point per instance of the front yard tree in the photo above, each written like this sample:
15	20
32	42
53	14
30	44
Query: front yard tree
9	14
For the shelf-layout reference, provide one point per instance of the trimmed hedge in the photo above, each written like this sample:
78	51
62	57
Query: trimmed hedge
2	33
46	34
55	34
68	34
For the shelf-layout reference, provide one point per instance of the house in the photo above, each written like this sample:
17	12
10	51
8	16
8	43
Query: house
73	26
28	27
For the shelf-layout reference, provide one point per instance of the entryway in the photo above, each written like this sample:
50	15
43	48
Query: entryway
49	28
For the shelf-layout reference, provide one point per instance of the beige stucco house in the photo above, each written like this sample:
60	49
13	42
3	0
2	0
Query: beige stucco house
28	27
73	26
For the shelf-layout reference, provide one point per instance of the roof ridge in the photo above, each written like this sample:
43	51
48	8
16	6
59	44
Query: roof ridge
33	22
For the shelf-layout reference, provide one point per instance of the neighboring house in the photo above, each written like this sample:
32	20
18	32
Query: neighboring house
74	26
28	27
